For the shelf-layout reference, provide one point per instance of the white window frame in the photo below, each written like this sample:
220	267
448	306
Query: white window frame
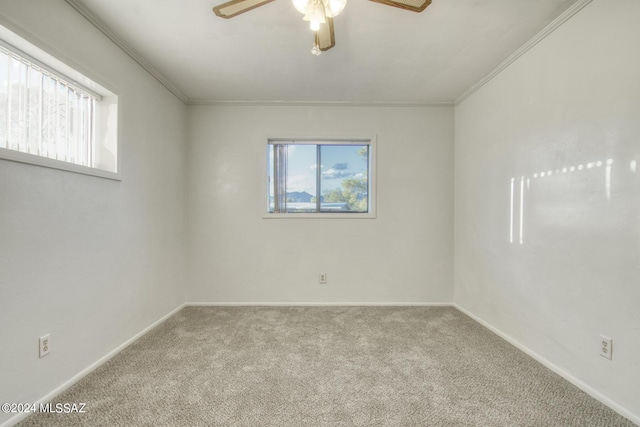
370	141
105	142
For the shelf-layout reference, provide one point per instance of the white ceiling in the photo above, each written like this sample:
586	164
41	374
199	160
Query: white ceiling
382	54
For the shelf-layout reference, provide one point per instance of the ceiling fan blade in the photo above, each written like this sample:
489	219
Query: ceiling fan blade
236	7
412	5
325	37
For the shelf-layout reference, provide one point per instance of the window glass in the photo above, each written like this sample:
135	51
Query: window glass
321	178
42	114
343	181
52	115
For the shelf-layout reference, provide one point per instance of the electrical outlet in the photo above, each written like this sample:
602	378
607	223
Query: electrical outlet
323	278
606	347
45	346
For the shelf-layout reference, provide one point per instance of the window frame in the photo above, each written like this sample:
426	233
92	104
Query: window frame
371	142
107	157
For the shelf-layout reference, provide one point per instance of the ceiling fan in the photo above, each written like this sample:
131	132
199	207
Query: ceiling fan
319	13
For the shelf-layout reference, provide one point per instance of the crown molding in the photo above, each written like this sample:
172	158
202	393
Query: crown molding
564	17
257	103
126	47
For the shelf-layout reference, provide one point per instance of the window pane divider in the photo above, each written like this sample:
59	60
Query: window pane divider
318	178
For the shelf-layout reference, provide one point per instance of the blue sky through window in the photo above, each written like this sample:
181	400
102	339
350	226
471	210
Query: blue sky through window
339	162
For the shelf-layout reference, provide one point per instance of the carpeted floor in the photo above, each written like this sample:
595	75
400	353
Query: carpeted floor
325	366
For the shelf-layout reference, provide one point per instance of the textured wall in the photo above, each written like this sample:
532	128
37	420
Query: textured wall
404	255
89	260
563	122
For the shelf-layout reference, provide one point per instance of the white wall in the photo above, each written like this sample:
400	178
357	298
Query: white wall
404	255
574	99
89	260
94	261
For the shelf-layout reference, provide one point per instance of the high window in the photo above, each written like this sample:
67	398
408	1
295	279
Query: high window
322	177
49	118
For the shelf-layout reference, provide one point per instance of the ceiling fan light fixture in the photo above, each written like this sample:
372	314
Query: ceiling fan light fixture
315	50
316	15
334	7
319	14
301	5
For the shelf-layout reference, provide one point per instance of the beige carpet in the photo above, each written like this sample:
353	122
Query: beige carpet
325	366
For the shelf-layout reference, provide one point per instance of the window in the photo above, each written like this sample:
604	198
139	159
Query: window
50	119
327	178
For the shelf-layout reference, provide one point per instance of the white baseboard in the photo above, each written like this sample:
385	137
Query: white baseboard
564	374
47	398
319	304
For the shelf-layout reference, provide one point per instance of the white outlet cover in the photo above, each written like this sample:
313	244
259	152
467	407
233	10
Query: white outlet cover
45	345
606	347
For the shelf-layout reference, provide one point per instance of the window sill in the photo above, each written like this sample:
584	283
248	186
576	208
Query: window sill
320	216
31	159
